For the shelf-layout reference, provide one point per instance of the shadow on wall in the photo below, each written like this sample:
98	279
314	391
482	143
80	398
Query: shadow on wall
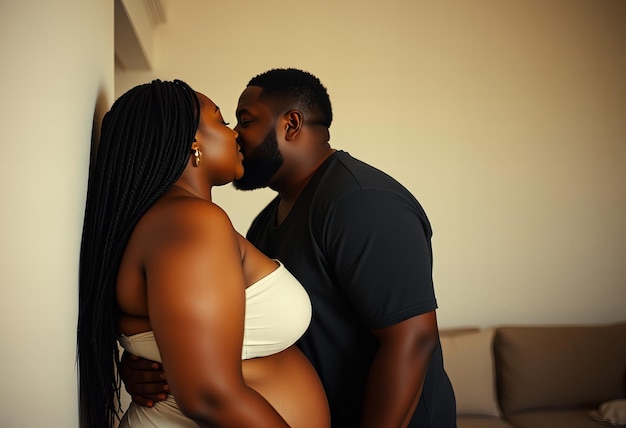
100	109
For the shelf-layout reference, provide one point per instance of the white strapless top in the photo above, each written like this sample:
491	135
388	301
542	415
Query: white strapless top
278	312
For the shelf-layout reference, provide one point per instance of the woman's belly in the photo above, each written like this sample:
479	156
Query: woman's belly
288	381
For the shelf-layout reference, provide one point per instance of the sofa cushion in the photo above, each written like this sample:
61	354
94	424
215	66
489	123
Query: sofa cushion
612	413
576	418
481	422
559	367
468	361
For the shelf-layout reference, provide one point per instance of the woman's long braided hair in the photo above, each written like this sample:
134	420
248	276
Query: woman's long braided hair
144	147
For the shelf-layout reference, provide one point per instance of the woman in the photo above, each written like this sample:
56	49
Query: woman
162	265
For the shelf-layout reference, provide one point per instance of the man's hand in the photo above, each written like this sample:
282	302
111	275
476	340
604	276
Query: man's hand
144	380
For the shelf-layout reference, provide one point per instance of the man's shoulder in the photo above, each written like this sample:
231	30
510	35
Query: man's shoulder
347	175
354	187
357	167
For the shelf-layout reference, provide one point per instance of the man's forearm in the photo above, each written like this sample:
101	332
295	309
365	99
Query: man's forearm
397	373
393	391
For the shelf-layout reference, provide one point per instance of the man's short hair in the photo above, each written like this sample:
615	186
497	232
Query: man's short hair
290	88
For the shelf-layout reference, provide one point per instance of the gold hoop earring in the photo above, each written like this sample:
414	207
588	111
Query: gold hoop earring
197	157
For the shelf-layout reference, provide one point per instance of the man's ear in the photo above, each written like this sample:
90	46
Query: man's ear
293	124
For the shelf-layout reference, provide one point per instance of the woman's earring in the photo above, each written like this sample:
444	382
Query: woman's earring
197	157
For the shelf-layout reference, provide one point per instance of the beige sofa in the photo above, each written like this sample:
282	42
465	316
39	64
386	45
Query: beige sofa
570	376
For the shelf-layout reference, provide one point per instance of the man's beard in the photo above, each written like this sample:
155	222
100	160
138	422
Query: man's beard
261	164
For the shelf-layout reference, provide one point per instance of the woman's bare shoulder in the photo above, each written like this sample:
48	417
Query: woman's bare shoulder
185	219
191	212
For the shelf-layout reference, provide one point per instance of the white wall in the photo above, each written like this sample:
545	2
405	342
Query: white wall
56	77
505	118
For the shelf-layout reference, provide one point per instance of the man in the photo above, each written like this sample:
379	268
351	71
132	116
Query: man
359	243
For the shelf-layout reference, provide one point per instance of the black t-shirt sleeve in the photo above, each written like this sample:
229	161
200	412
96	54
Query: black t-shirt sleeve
378	245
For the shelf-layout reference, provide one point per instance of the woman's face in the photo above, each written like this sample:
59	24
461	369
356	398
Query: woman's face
221	155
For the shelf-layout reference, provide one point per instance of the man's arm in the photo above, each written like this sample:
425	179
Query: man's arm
397	374
379	244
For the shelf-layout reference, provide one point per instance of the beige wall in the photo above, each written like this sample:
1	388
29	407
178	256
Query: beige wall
56	75
505	118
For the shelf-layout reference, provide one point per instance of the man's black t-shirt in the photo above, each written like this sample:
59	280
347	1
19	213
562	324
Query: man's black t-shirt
359	243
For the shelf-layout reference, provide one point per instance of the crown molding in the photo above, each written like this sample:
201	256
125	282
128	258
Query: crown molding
156	11
135	22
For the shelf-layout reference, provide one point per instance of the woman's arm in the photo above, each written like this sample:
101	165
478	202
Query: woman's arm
196	301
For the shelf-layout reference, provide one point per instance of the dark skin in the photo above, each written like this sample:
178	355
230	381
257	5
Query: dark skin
397	373
145	380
